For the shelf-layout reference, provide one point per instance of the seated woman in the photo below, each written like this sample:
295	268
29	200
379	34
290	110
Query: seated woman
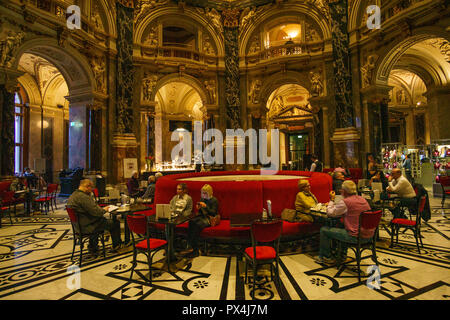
181	203
340	168
207	207
133	185
378	176
304	201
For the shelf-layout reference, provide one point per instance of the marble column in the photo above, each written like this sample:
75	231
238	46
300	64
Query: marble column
375	99
346	137
320	104
124	143
78	135
146	133
438	100
8	85
232	83
95	113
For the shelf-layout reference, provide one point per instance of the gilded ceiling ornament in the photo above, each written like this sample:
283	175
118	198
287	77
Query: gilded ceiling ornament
247	16
255	89
231	17
8	46
214	17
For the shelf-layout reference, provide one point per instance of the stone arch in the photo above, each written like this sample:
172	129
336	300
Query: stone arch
294	9
187	79
390	56
31	89
73	66
277	80
109	17
192	15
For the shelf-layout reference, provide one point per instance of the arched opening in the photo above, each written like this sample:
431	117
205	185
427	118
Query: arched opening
178	105
288	109
41	141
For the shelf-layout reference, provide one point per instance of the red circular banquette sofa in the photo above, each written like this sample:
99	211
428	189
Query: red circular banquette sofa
240	197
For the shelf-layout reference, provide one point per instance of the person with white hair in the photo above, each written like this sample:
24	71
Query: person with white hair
151	187
350	207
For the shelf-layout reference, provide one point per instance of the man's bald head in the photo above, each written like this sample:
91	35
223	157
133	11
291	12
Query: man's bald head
396	173
86	185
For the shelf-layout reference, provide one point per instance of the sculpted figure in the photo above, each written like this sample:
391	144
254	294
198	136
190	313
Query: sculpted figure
316	84
366	71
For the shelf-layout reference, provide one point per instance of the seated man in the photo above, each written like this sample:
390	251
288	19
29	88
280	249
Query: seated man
338	179
181	203
350	208
399	185
207	207
304	201
91	217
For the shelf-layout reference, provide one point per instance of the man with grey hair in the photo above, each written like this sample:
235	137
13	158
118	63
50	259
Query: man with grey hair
350	207
91	218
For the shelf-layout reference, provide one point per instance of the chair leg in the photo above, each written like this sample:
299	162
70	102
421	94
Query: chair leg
420	238
103	244
149	259
416	235
392	235
134	263
358	260
73	249
246	268
10	218
81	251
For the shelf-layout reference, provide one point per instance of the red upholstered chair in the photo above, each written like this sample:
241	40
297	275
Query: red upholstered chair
48	198
409	224
265	244
81	237
137	223
445	184
97	198
367	220
4	186
7	200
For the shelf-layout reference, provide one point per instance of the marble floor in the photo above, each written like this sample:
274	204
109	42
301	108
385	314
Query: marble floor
35	264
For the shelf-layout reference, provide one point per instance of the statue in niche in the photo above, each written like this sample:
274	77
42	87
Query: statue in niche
255	47
255	90
278	104
98	67
96	19
152	38
214	17
311	33
401	97
149	83
248	15
316	84
8	46
207	48
210	86
367	70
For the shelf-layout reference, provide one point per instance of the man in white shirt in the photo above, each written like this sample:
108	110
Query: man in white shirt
399	185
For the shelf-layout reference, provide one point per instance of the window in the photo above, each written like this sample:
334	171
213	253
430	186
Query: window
18	134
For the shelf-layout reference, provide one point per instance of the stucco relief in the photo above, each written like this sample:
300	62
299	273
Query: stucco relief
8	47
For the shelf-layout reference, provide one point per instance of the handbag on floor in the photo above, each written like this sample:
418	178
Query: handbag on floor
292	215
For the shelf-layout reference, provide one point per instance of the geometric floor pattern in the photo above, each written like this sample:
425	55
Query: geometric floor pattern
35	258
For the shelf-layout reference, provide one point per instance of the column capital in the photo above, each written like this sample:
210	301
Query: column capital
376	93
8	78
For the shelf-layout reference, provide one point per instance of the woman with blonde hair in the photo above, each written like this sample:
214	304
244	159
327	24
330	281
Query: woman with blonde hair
304	201
207	207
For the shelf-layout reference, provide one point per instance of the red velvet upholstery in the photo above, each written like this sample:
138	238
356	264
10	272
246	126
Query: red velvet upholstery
4	185
262	252
406	222
154	243
355	173
245	197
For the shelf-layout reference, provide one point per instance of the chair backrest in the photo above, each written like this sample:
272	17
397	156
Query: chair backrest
4	185
369	220
72	215
95	191
6	196
445	182
137	223
52	188
266	231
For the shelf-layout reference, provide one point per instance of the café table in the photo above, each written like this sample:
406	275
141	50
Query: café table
123	211
28	196
169	225
243	219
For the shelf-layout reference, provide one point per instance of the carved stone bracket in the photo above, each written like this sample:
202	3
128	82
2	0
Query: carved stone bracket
8	78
